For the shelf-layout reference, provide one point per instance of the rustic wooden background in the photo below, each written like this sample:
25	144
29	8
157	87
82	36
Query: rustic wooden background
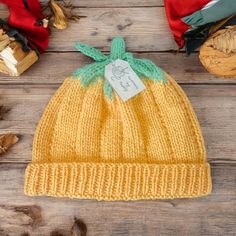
144	27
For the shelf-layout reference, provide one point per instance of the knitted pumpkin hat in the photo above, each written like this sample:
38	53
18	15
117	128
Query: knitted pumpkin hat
91	144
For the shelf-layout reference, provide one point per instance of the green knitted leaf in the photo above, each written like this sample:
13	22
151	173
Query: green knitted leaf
91	73
90	52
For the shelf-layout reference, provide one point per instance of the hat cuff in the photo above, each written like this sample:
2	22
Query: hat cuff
118	181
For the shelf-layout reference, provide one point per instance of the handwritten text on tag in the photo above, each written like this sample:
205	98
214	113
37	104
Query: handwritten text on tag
123	79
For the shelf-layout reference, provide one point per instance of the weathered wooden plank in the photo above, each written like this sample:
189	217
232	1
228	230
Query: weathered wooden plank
110	3
53	68
114	3
214	105
118	3
211	215
144	29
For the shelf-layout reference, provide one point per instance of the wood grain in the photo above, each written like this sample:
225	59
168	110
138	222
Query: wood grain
144	29
47	70
211	215
108	3
214	105
114	3
144	26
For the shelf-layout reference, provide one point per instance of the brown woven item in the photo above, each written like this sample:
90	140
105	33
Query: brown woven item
218	53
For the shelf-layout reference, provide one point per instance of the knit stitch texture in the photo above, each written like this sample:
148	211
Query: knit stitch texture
88	145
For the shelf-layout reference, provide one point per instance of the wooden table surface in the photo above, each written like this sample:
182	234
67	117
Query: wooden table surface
144	27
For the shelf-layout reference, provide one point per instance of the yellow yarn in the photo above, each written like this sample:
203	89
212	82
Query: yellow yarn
89	146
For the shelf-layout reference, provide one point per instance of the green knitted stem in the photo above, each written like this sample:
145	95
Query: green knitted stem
88	74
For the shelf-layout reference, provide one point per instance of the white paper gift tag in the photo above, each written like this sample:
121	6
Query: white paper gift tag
123	79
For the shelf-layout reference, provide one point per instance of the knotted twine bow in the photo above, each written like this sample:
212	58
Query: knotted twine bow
143	68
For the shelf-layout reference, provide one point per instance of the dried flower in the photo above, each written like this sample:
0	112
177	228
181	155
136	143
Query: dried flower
6	141
61	12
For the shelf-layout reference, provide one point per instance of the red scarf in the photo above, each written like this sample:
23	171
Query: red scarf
175	10
24	16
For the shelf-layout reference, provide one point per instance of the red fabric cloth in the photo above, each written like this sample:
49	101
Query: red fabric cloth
24	19
175	10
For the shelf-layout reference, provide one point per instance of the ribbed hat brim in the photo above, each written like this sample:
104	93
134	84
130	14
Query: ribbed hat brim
121	181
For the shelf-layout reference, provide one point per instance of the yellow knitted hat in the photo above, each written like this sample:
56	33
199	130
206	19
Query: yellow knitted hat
91	144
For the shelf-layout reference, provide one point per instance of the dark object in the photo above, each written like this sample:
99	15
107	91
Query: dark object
196	37
11	32
56	233
79	228
3	111
26	4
